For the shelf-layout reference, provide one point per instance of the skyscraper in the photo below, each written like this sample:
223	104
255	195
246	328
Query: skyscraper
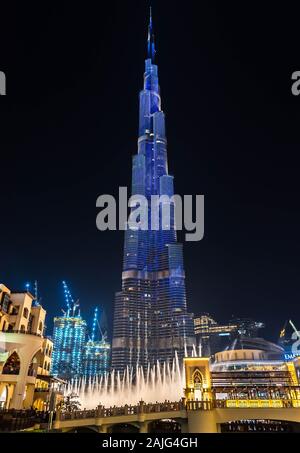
151	321
69	335
77	350
95	358
96	352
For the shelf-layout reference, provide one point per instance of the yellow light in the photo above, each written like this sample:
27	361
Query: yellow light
254	403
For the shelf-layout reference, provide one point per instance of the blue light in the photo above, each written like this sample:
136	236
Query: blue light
152	252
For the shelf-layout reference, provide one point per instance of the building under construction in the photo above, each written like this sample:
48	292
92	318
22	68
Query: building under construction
96	352
75	353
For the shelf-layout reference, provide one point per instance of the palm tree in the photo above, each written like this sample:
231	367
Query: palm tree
70	403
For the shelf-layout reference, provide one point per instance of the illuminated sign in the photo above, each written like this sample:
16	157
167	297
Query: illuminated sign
291	356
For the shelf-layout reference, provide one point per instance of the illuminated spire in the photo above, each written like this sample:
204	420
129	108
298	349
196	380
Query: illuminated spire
150	42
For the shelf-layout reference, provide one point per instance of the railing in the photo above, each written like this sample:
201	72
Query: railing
7	370
23	332
203	405
17	420
114	411
256	403
32	372
15	371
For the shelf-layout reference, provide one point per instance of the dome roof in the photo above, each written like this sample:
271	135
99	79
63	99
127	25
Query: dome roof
271	350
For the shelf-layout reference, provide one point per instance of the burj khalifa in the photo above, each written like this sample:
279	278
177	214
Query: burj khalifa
151	322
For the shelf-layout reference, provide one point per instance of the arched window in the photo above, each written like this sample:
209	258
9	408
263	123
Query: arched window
3	397
32	370
12	365
197	378
198	385
22	328
25	312
14	309
30	323
41	326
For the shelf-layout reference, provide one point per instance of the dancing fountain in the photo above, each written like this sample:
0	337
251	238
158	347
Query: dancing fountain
158	383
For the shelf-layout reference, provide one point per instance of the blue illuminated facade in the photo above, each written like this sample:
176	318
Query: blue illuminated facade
69	336
151	321
96	353
96	358
75	353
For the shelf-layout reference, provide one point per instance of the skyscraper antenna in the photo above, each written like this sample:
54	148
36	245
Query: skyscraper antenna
150	41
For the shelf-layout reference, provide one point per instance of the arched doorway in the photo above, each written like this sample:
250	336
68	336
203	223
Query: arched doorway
12	364
198	385
32	369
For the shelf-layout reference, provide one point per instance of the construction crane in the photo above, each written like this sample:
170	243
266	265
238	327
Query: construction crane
75	305
36	292
37	299
97	323
71	305
103	335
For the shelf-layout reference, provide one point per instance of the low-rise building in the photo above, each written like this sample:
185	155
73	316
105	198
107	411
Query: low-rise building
25	353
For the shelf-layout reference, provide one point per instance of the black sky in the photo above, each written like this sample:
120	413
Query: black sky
69	128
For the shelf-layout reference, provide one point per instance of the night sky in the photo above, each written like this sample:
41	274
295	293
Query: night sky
69	128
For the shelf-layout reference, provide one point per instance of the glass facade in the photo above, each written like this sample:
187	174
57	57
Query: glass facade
151	322
96	355
68	341
76	353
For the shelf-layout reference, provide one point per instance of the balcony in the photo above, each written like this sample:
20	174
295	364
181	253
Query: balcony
8	370
22	332
41	390
17	420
